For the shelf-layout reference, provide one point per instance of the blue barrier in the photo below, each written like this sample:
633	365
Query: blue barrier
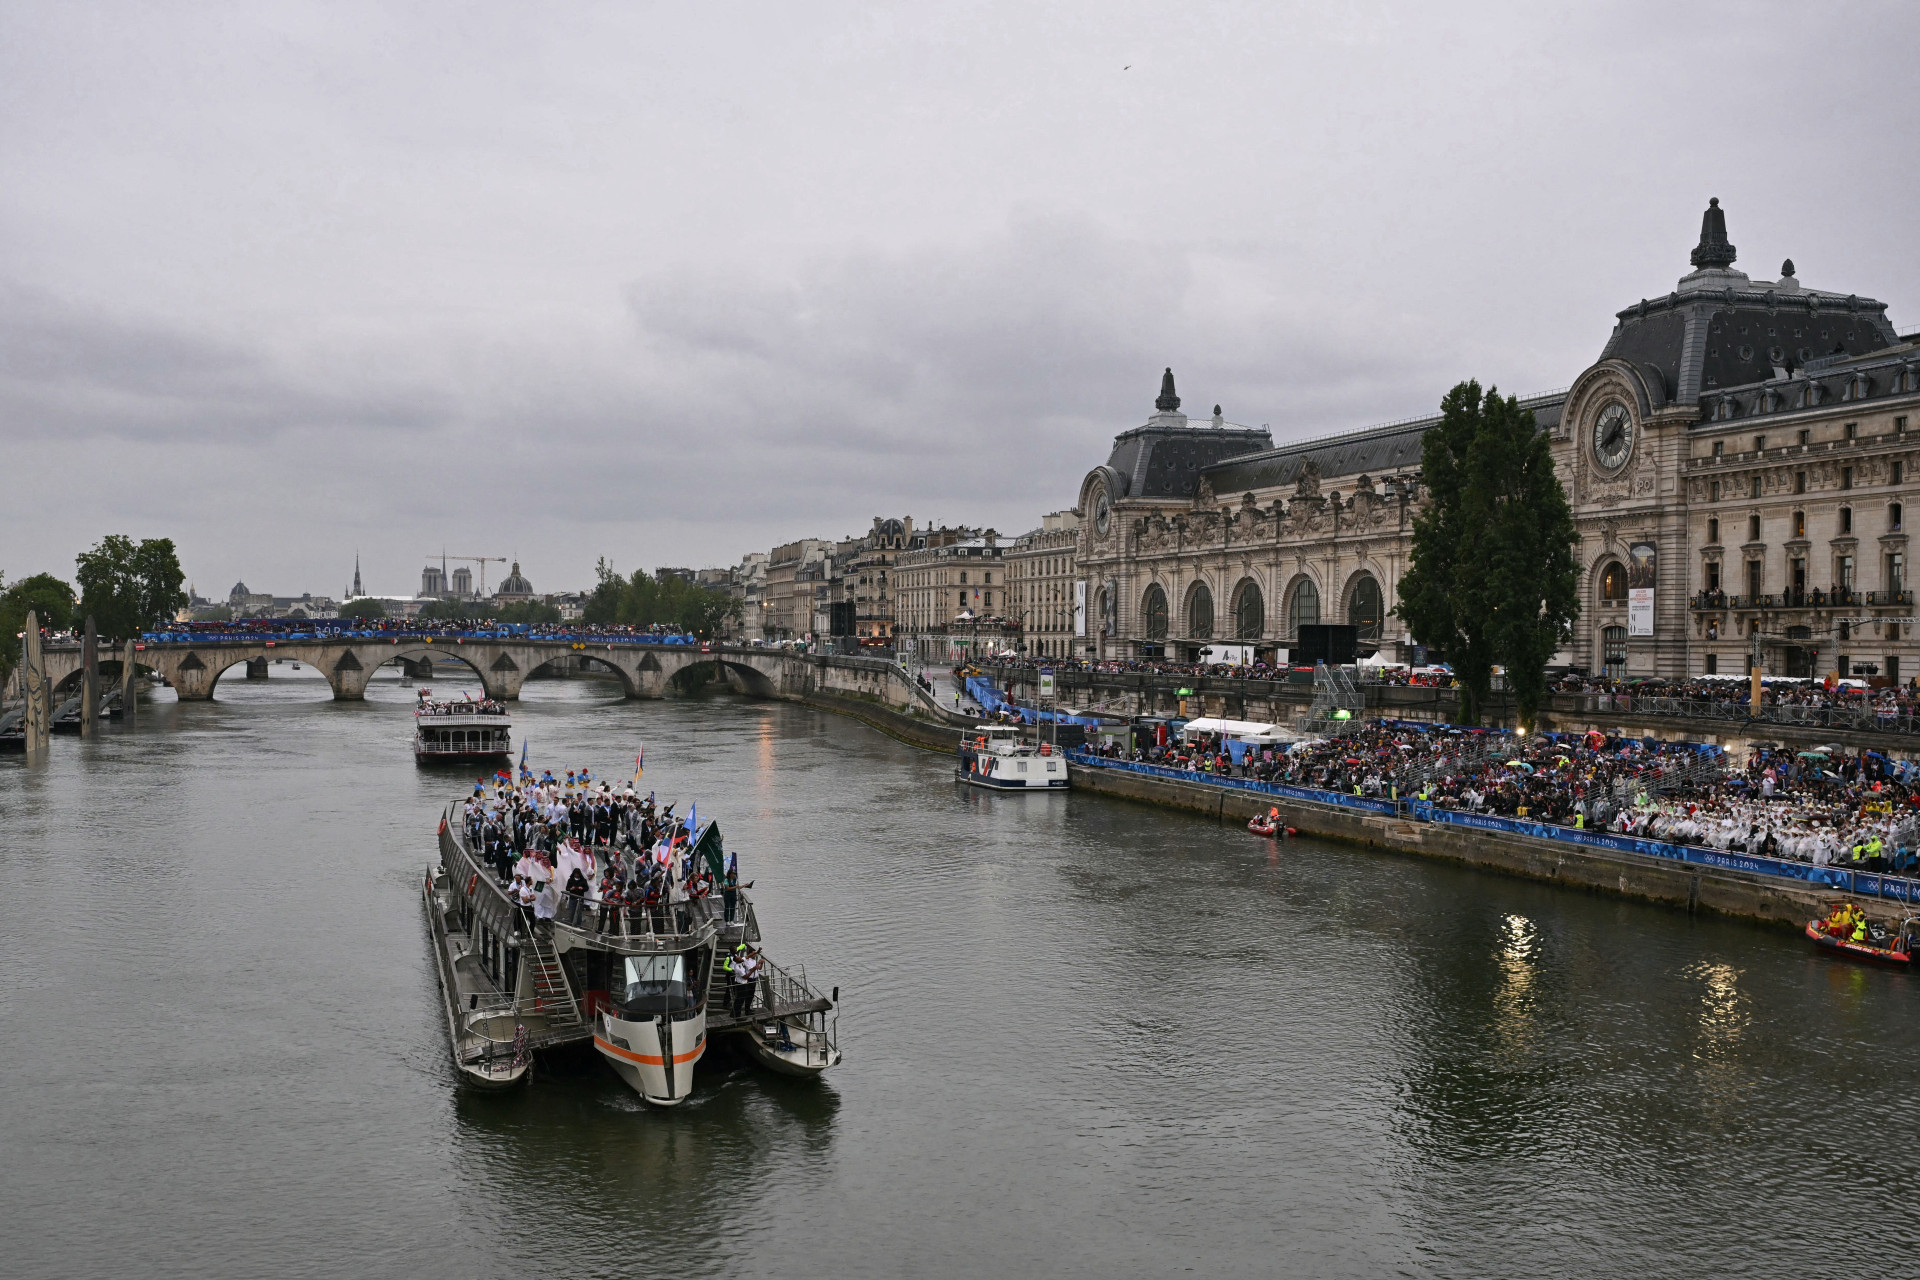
991	700
1862	883
1312	795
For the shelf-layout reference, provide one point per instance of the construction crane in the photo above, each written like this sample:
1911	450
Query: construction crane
482	561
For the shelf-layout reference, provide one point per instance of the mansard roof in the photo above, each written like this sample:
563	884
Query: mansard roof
1718	328
1372	451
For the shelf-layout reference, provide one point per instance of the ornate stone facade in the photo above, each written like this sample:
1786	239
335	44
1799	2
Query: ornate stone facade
1756	435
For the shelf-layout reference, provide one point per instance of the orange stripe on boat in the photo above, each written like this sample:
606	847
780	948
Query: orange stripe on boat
642	1058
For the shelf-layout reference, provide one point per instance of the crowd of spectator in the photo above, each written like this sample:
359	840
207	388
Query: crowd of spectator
1859	810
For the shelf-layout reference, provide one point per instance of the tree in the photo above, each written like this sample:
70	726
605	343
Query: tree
1429	600
527	613
645	601
127	587
1493	578
449	611
42	594
363	609
1522	522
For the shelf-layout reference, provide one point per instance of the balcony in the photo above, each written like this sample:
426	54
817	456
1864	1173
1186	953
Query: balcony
1838	598
1889	599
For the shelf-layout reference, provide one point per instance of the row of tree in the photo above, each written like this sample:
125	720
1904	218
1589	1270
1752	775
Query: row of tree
1493	580
645	601
126	587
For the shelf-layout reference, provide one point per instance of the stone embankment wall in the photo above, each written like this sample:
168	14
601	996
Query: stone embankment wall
1733	893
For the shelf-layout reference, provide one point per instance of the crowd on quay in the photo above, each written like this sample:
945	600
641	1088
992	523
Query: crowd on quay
1859	811
1853	694
595	858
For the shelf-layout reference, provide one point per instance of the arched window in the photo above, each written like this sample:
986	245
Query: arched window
1249	612
1200	613
1303	610
1613	652
1154	609
1613	582
1365	609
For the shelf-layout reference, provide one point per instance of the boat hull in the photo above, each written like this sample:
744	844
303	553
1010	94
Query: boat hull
479	1065
990	782
799	1061
1856	951
460	757
658	1066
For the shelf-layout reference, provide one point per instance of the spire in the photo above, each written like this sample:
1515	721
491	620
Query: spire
1713	249
1168	402
356	574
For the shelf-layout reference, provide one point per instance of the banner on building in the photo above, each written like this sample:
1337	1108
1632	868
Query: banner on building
1080	607
1642	569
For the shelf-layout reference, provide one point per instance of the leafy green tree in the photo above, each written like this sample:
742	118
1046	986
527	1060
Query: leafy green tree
43	595
450	611
127	587
527	613
644	601
1429	590
1523	535
363	609
1492	578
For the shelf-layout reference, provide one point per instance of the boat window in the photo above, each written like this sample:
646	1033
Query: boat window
655	981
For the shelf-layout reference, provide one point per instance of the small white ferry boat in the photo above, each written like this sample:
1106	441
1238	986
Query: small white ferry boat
997	757
462	732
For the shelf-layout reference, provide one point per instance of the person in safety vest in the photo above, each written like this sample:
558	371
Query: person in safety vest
1860	930
740	992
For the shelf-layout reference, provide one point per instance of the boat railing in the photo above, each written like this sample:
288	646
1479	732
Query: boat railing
786	988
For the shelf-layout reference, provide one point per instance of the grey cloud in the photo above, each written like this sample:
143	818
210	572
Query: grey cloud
80	372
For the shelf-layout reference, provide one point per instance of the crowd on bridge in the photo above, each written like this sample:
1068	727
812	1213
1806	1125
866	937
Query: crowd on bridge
1827	807
594	857
252	629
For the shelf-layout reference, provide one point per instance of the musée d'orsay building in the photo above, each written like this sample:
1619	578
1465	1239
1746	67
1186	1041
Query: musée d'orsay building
1738	461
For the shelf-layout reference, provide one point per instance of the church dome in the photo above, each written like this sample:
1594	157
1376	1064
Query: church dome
515	585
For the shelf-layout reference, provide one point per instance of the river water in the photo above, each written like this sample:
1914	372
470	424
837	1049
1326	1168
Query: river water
1083	1037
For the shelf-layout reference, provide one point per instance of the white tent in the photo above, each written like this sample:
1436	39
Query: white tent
1230	728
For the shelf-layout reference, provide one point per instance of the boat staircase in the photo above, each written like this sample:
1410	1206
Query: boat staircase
552	995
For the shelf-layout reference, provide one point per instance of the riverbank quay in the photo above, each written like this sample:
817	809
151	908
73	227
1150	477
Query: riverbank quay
1726	725
1767	890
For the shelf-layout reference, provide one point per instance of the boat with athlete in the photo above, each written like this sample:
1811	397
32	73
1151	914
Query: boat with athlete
463	731
1846	932
625	946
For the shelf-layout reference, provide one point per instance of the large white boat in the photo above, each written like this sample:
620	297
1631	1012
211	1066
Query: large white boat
645	985
462	732
998	757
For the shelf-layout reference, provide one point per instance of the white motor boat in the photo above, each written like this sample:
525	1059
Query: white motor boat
996	756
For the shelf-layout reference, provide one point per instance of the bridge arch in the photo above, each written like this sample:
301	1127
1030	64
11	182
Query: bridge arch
629	688
693	676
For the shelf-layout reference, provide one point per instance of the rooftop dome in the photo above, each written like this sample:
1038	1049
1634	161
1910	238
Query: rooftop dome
515	585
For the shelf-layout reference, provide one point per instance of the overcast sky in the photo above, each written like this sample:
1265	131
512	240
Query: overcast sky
670	283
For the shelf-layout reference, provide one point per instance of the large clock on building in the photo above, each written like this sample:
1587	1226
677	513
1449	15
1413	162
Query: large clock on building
1613	437
1102	513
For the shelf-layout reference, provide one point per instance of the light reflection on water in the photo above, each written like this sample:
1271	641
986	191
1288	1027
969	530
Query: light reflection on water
1083	1037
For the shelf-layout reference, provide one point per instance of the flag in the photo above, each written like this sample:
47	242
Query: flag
638	761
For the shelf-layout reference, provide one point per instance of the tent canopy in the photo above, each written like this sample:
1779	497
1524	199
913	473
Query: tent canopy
1231	728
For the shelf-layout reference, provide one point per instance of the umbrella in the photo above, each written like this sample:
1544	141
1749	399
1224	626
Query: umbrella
1814	755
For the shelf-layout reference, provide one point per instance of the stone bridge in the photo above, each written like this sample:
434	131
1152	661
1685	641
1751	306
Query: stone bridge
194	668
